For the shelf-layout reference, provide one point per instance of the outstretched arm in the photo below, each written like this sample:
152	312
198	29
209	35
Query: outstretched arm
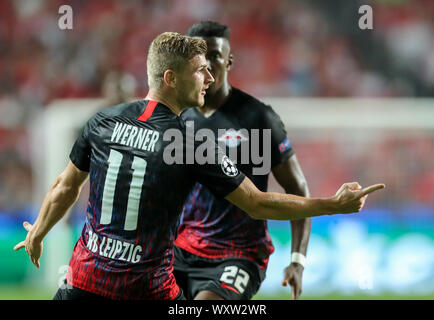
276	206
59	199
261	205
290	176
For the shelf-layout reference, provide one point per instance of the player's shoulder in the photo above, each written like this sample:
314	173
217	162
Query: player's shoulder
246	103
125	110
122	109
245	98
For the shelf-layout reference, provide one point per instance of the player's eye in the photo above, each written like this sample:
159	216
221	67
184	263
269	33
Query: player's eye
213	56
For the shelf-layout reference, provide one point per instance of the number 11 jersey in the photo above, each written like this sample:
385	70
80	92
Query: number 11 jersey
137	192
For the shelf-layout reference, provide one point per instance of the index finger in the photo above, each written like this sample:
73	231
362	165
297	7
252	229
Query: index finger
371	189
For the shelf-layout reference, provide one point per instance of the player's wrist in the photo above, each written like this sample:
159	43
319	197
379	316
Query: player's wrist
298	259
35	237
330	205
298	267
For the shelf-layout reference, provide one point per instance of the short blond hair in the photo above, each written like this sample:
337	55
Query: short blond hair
171	50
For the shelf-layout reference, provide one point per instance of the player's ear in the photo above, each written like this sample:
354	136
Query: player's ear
169	78
230	61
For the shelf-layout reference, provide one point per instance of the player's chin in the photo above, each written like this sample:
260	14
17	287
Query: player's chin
201	99
198	102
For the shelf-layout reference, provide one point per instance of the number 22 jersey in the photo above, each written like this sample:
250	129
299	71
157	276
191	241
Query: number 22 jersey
212	227
138	182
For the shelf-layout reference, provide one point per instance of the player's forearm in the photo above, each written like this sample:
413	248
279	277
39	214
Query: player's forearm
300	229
300	233
277	206
56	204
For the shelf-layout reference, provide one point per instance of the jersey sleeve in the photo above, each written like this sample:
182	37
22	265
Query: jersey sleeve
281	149
221	177
81	150
218	173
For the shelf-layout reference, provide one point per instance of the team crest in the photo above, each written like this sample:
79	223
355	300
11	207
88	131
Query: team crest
233	138
228	167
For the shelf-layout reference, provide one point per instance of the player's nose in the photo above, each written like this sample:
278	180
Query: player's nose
209	78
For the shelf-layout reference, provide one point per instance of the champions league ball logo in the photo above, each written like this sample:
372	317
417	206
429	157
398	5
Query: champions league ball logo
228	167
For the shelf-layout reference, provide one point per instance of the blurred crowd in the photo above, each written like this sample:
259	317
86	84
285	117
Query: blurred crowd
403	162
281	48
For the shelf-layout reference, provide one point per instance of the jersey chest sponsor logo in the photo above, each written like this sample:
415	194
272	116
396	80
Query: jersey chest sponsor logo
254	147
233	138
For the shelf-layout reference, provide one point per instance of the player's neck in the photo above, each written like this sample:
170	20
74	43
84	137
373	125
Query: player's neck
157	96
218	99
